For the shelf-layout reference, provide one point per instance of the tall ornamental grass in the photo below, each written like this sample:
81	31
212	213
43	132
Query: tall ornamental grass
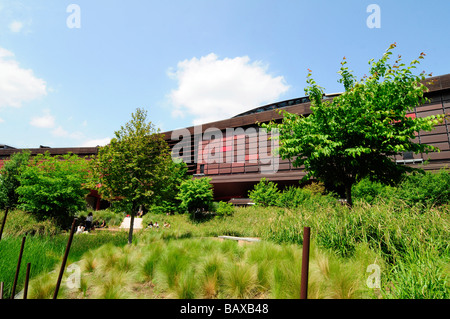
188	268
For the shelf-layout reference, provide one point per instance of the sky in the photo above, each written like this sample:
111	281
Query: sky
73	72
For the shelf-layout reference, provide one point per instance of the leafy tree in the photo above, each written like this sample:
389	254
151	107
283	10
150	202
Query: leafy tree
356	134
132	168
52	187
9	178
195	194
165	199
265	193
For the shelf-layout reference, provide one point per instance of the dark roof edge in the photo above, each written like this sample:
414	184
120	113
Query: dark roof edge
440	82
52	151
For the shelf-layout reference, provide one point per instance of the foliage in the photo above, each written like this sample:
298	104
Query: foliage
293	197
418	276
52	187
195	194
165	200
136	168
20	223
356	134
265	193
427	189
44	250
199	268
9	178
410	246
133	166
369	192
224	209
316	188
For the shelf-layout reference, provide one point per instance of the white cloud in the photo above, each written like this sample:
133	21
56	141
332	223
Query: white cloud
17	85
45	121
97	142
61	132
1	120
212	89
15	26
48	121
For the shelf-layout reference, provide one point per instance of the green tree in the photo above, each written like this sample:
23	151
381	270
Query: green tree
356	134
165	200
195	194
133	166
9	178
53	187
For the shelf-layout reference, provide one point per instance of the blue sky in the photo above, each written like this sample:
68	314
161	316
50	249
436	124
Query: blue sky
187	62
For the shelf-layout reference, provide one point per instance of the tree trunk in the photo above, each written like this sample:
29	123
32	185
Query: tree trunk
130	234
348	194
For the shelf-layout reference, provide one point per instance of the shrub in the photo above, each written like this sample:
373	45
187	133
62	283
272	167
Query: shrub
315	188
224	209
195	194
369	191
427	189
52	187
9	178
293	197
265	193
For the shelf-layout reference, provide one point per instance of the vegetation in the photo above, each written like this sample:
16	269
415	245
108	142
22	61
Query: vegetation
195	195
51	187
410	246
44	247
9	179
193	268
224	209
420	190
136	168
401	228
409	243
356	134
265	193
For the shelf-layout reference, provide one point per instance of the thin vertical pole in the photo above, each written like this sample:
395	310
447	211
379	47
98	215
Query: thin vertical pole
63	265
1	290
3	222
27	279
305	264
18	268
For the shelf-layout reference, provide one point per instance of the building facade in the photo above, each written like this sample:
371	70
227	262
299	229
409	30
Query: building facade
236	153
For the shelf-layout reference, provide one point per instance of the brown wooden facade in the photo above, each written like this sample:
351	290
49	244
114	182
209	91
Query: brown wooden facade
235	179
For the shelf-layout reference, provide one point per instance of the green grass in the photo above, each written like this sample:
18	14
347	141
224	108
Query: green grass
410	244
208	268
44	251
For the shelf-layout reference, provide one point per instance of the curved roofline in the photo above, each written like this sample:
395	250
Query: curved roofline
276	105
283	104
